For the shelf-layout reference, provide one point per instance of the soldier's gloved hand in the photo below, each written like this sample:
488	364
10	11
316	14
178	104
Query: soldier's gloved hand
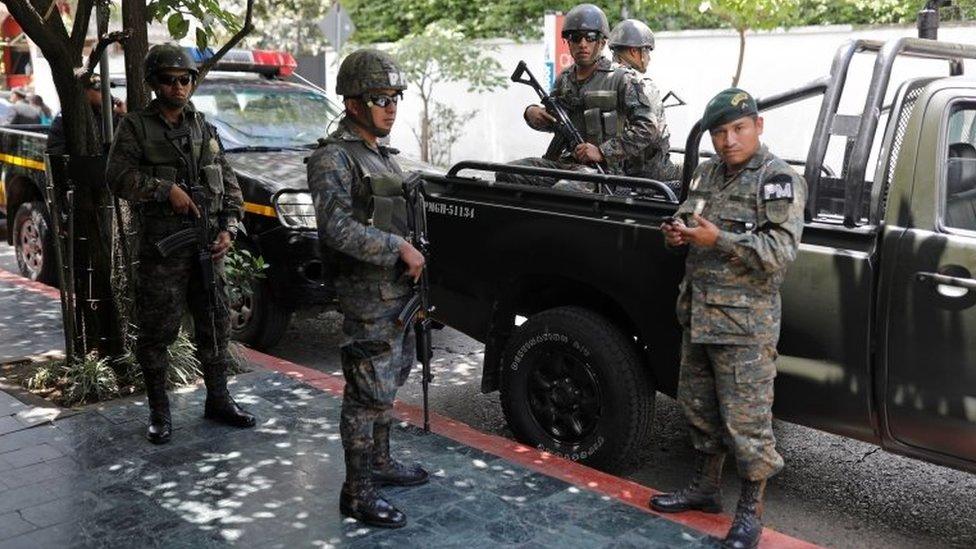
413	259
181	202
703	236
588	153
538	117
221	246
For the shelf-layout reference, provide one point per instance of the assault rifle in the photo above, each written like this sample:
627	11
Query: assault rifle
563	125
418	310
198	233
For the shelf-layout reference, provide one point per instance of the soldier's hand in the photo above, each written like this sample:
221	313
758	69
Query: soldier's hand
703	236
413	259
672	236
538	117
181	202
221	246
588	153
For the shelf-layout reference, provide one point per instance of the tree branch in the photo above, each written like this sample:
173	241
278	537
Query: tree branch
79	30
234	40
35	27
103	42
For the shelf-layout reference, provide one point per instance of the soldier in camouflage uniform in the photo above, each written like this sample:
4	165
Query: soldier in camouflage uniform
632	42
742	223
145	168
606	103
356	185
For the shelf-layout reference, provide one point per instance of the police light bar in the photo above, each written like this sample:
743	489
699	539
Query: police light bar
265	62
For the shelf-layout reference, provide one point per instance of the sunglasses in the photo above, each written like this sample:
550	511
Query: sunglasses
575	37
382	101
170	80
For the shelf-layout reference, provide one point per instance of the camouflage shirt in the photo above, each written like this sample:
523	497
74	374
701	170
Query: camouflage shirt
730	293
142	170
342	199
635	130
655	162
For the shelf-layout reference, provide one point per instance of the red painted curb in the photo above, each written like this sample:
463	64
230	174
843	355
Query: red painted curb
627	491
30	285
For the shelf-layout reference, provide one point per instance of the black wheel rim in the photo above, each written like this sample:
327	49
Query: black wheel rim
564	396
31	248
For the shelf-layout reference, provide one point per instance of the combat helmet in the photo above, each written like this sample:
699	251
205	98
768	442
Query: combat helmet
586	17
368	69
169	56
631	33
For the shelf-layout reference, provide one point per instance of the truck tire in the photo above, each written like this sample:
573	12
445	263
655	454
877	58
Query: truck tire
572	384
257	320
34	244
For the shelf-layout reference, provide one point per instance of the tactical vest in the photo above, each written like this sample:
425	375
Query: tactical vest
593	106
378	198
160	158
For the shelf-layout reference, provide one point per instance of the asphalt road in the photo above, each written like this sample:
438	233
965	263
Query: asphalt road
834	491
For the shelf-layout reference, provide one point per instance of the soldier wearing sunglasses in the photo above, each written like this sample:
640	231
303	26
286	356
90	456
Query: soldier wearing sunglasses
357	188
146	169
606	102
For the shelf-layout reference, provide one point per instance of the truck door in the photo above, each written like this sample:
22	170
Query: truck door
930	390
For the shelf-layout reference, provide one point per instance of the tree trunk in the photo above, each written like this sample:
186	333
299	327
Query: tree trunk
425	131
742	53
136	48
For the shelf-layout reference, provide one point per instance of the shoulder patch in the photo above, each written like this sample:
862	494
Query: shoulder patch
778	187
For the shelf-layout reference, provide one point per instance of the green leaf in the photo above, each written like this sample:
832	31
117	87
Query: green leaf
201	39
178	26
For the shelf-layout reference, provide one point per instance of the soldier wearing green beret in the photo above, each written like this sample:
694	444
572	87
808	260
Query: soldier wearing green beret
741	225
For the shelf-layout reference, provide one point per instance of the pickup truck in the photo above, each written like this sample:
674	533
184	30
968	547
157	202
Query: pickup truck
573	293
268	127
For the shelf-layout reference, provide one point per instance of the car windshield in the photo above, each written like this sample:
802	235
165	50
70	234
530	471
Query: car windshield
263	116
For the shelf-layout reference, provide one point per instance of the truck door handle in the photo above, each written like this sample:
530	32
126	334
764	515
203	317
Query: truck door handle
948	286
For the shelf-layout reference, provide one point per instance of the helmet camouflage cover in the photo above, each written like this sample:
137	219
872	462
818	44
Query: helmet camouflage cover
631	33
168	56
586	17
368	69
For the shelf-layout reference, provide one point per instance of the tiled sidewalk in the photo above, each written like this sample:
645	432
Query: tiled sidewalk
91	480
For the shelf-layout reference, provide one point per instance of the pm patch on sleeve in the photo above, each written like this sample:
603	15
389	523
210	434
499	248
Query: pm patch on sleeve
777	195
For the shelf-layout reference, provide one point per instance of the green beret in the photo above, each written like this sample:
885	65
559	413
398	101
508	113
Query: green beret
728	105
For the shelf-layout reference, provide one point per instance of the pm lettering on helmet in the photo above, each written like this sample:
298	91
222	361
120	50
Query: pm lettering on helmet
396	79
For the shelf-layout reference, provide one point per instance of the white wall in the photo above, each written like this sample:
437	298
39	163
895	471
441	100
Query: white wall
693	64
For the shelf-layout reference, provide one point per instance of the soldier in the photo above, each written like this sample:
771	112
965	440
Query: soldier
93	94
729	307
356	185
145	168
632	42
605	102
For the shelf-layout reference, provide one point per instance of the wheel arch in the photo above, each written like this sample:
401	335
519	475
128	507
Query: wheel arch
530	295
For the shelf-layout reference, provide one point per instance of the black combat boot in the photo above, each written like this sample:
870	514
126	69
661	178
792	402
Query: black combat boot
359	500
747	526
388	471
160	424
703	494
220	406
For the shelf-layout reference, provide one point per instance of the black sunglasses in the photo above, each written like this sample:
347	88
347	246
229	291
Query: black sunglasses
170	80
382	101
576	37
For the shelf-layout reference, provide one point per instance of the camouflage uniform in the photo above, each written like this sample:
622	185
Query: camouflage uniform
142	167
377	355
654	163
635	128
729	307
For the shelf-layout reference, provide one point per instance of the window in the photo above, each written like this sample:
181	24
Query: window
960	184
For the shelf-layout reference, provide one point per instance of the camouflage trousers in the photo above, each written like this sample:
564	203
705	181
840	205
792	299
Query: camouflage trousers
726	393
543	181
165	288
376	361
